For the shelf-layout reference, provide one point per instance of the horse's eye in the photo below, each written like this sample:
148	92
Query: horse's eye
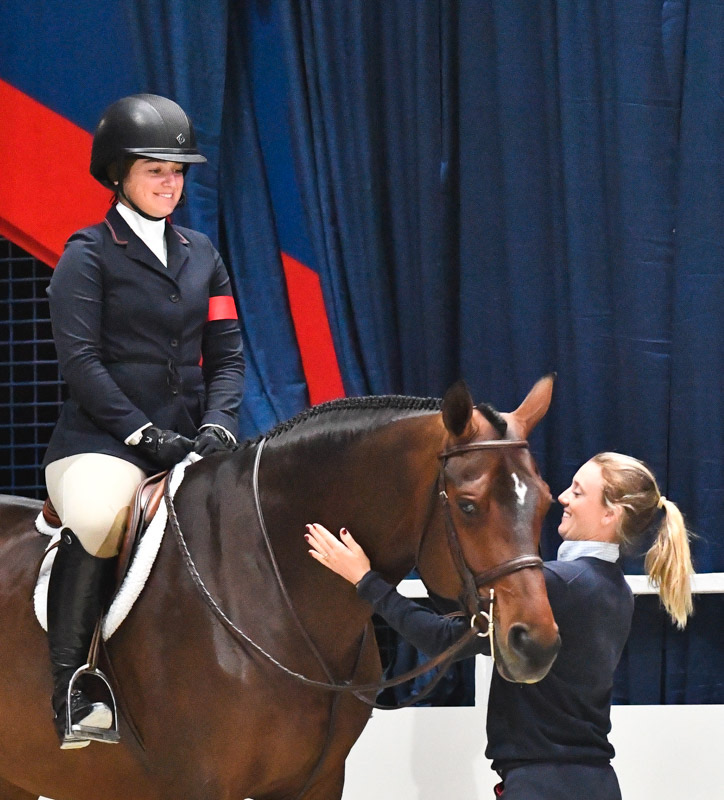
466	507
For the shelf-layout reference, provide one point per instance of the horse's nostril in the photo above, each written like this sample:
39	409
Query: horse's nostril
530	650
519	639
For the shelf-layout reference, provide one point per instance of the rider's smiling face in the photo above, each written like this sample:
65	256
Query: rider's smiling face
154	186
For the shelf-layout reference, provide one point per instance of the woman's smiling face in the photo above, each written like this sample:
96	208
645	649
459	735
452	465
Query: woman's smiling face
585	516
154	186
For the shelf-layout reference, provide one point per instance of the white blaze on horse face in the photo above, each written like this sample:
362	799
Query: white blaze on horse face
521	490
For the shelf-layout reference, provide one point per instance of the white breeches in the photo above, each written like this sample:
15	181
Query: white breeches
92	493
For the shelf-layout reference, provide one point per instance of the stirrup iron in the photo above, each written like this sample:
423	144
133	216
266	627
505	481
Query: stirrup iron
83	733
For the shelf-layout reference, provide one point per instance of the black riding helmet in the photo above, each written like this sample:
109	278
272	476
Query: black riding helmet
142	125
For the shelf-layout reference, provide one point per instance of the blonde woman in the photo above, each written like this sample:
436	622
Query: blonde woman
550	739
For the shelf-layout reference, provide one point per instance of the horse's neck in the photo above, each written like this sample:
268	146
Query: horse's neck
378	484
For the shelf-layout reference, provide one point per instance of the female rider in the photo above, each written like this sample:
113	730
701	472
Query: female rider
549	740
149	345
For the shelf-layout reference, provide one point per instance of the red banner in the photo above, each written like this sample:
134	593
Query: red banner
46	191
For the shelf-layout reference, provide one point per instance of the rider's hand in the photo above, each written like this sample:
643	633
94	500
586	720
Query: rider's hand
213	439
164	448
343	556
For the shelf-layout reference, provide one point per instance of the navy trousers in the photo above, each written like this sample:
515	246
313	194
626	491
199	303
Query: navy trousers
553	781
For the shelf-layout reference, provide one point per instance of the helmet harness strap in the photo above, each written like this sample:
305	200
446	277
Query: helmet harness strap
124	196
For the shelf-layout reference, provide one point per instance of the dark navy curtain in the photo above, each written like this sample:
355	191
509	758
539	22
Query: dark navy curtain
696	444
196	53
496	190
366	100
492	190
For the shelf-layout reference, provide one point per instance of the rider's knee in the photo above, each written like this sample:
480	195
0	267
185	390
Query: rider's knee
98	526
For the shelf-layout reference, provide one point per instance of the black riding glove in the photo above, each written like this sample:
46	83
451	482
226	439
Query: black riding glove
164	448
212	440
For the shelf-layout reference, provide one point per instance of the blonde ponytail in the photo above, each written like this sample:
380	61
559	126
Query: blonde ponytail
629	484
668	564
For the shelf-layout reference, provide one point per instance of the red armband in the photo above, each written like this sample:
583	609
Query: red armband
222	307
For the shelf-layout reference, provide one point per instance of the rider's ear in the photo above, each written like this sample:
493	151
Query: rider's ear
457	408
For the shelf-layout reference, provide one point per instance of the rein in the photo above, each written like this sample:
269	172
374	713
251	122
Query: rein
359	689
240	636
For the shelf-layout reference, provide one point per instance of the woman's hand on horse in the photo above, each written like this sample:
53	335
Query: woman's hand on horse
343	556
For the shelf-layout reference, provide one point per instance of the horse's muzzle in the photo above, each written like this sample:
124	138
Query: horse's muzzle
525	658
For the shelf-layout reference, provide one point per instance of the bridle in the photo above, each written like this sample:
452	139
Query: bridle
472	583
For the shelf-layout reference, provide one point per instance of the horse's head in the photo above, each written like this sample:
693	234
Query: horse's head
487	536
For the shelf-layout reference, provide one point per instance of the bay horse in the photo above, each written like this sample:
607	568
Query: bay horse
206	716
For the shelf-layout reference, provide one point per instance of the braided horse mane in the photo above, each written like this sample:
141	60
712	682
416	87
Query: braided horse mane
360	406
348	408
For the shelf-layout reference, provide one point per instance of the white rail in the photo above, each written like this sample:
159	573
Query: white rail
704	583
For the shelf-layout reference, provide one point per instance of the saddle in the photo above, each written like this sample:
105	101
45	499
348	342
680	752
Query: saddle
144	505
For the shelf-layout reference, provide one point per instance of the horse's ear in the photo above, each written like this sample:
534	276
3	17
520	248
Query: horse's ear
532	410
457	408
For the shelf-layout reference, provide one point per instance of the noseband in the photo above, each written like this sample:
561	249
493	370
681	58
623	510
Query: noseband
472	582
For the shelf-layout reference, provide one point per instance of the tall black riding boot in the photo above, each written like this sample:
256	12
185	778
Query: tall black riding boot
75	603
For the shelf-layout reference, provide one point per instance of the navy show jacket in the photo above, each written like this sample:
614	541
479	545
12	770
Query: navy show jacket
139	342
